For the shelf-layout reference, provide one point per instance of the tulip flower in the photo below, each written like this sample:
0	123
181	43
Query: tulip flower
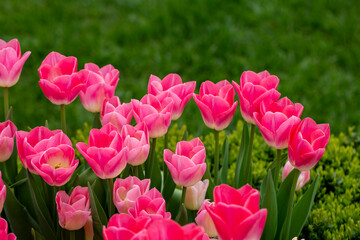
101	85
7	135
32	144
127	191
2	193
203	219
187	165
303	178
236	213
307	144
59	79
105	152
112	111
195	195
4	231
255	88
73	210
172	86
11	62
216	104
56	164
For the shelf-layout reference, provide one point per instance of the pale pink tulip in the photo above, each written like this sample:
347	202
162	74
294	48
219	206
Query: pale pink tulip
112	111
187	165
2	193
7	135
216	104
203	219
303	178
11	62
195	195
4	231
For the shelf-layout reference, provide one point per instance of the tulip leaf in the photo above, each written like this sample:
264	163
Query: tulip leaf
302	209
184	138
156	176
173	204
11	166
98	214
268	201
224	168
169	187
241	158
182	217
210	190
36	235
9	116
83	178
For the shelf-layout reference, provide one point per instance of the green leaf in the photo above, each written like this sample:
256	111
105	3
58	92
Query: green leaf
156	176
83	178
302	209
241	158
173	204
182	217
11	166
210	190
169	187
98	214
224	168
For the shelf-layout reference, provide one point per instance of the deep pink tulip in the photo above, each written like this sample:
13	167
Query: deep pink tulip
56	164
137	140
203	219
236	213
32	144
127	191
73	210
2	193
303	178
7	135
59	79
172	86
276	120
216	104
11	62
255	88
101	85
105	152
155	112
4	231
307	144
112	111
195	195
151	205
187	165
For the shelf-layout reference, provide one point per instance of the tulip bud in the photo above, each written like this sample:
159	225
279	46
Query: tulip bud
303	178
2	193
195	195
203	219
7	135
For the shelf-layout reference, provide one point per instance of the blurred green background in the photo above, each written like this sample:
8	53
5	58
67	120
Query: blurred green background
312	46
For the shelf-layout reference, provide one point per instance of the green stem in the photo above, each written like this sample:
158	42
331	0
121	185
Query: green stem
72	235
216	164
111	203
277	167
63	118
6	102
286	227
183	194
136	171
97	121
165	147
247	174
151	160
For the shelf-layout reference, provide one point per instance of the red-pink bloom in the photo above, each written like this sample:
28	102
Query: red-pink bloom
255	88
195	195
137	140
172	86
276	120
112	111
4	231
127	191
11	62
101	85
32	144
307	144
7	135
216	104
151	204
236	213
2	193
59	79
303	178
187	165
155	112
73	210
203	219
56	164
105	152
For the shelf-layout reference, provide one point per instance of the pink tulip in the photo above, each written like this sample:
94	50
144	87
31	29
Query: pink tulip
11	62
303	178
187	165
307	144
105	152
101	85
89	230
7	135
276	120
216	104
59	79
127	191
4	231
137	141
73	210
255	88
112	111
2	193
155	112
56	164
236	213
32	144
203	219
172	86
195	195
151	205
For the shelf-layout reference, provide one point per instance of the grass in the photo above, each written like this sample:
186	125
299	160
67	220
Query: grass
312	46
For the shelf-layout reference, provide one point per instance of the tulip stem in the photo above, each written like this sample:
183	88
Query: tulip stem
165	147
216	164
72	235
63	118
111	203
97	121
286	228
151	160
6	102
277	167
247	174
136	171
183	195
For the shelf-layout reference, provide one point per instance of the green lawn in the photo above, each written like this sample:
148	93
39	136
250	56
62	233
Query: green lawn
313	46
